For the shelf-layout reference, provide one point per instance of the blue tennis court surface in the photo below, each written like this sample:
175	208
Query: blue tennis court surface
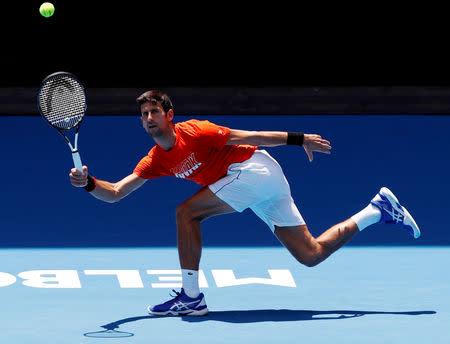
255	295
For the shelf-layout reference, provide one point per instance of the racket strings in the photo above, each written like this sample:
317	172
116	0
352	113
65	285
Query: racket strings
62	102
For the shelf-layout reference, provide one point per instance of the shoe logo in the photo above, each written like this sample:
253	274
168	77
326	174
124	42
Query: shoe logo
392	208
396	215
181	306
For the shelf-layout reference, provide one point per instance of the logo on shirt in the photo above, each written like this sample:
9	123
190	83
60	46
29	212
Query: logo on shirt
186	167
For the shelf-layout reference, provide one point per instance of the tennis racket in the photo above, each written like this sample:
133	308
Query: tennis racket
62	103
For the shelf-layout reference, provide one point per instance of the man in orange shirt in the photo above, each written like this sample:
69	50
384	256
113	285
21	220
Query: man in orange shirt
236	175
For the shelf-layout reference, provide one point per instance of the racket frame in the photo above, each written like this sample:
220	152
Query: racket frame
74	148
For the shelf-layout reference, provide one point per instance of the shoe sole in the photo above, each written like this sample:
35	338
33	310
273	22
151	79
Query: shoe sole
195	313
408	220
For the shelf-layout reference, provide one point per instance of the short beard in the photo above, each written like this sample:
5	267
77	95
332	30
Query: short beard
155	133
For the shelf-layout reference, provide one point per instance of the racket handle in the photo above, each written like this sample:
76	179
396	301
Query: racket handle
77	161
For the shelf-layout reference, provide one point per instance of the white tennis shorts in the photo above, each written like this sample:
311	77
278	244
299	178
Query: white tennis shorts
259	184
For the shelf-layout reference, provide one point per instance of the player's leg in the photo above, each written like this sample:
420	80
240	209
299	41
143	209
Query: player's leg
189	215
311	251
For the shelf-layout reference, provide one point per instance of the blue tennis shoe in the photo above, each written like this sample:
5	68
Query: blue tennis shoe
181	304
393	212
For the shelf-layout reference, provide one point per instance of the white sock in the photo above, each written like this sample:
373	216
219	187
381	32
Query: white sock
366	217
190	282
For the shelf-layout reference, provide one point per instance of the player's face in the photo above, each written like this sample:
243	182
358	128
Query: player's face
154	119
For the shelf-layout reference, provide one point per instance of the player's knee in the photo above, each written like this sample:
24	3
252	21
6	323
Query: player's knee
310	262
186	213
183	213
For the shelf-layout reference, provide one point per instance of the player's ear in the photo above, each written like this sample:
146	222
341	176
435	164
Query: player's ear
170	115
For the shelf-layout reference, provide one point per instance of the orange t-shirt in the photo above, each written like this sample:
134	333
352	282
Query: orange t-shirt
200	154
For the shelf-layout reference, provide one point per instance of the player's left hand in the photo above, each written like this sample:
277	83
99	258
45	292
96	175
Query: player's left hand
315	143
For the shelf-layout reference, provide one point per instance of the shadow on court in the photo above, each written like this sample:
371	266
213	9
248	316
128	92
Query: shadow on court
250	316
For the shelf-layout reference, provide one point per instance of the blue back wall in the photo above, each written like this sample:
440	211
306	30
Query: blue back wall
39	207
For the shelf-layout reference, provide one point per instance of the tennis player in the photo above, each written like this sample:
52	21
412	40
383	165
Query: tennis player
235	175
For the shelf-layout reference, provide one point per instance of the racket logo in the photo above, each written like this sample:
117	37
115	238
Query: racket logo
62	83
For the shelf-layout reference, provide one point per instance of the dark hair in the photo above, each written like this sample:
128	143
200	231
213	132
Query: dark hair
155	96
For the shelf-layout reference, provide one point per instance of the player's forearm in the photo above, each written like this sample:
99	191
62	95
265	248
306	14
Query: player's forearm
257	138
114	192
106	191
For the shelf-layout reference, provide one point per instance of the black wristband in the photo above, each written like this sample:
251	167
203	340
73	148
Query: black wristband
295	138
91	184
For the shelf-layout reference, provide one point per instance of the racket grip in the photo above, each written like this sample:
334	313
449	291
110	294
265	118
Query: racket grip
77	161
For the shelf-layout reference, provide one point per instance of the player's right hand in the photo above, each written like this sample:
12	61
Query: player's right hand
77	178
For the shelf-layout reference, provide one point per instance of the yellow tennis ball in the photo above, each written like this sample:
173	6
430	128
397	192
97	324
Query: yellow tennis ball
47	9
